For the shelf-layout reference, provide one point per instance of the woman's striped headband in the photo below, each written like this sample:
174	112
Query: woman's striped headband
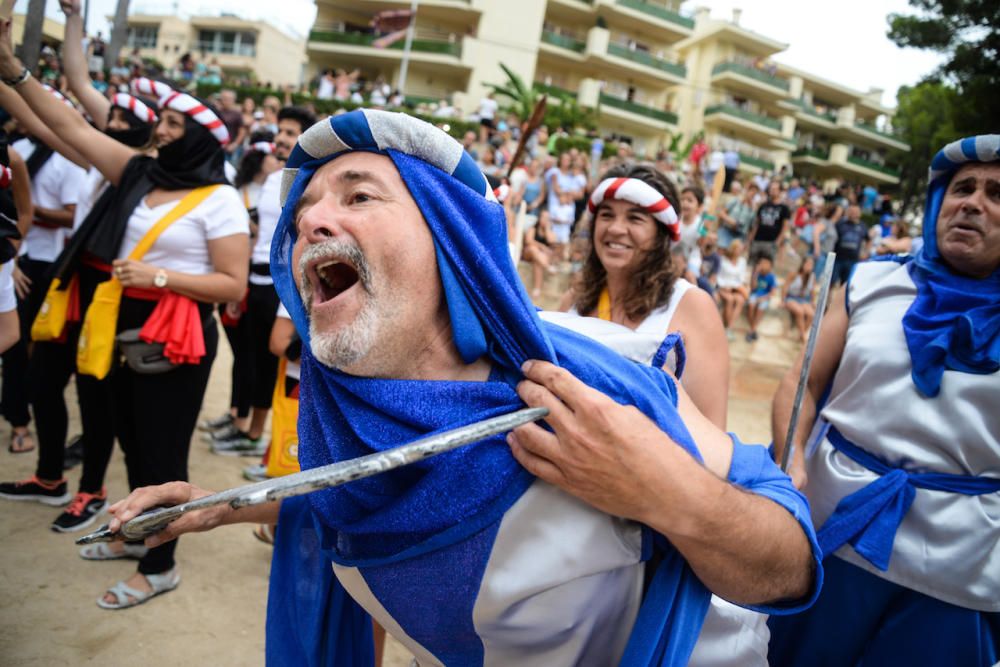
265	147
185	104
641	194
135	106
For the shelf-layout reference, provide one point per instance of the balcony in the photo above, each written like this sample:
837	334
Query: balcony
874	135
329	39
563	41
643	15
822	154
757	162
552	91
676	71
875	166
757	123
647	114
749	80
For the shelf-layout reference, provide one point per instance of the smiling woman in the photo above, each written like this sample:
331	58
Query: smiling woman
630	278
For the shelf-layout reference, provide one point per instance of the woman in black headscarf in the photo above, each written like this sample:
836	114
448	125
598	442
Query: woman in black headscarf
198	260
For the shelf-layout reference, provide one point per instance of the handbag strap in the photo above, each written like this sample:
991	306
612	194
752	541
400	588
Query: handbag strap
183	207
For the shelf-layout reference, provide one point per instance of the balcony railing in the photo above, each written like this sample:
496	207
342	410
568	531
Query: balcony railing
861	125
760	119
868	164
755	161
554	91
659	12
751	72
563	41
365	39
818	153
647	59
640	109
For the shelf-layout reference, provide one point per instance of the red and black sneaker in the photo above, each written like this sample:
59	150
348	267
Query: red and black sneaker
47	493
81	512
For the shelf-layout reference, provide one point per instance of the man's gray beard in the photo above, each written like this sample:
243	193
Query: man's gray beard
342	348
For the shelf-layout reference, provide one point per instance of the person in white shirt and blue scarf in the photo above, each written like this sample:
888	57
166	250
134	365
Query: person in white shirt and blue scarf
902	468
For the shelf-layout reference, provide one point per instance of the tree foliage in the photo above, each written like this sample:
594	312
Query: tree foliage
967	33
561	111
925	119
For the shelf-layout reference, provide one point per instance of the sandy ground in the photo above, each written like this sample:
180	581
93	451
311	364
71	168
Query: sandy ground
216	617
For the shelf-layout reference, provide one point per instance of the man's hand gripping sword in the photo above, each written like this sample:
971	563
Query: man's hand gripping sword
150	522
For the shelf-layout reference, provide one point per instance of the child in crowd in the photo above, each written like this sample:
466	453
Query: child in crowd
709	262
539	241
797	296
763	283
731	283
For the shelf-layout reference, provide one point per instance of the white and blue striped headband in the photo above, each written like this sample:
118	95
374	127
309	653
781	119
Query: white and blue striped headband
376	131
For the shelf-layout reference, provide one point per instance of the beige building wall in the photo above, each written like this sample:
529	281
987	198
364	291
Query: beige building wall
52	31
273	57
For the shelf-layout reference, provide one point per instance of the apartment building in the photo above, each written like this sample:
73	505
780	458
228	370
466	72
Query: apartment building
651	71
240	47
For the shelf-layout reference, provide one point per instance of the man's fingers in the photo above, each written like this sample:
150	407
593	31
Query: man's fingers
148	497
563	384
537	441
535	464
536	396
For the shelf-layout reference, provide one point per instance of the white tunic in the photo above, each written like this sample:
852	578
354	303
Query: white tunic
946	546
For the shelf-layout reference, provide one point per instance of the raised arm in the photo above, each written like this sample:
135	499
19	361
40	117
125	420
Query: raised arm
829	349
100	150
76	69
33	125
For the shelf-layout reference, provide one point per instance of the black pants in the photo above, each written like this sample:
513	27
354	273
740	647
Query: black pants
240	377
14	393
842	269
730	175
262	309
50	367
155	416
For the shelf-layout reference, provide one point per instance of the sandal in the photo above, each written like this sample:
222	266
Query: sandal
17	445
126	596
103	551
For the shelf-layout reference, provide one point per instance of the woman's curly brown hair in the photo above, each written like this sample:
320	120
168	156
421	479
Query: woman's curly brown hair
653	280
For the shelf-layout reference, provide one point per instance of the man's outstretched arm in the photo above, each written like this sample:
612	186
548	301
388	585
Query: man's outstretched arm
744	547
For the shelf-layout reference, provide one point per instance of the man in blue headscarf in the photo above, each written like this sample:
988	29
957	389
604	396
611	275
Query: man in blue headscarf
595	543
902	468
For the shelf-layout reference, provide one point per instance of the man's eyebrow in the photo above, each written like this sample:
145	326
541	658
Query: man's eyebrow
355	176
968	180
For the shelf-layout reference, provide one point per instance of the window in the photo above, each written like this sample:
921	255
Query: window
143	36
227	41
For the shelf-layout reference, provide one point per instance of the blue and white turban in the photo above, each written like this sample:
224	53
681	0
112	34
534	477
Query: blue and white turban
954	323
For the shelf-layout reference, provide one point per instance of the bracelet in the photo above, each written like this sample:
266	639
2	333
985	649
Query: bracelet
19	79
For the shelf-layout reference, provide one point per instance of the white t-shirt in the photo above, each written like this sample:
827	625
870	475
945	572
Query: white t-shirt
487	108
93	186
56	185
292	368
250	194
183	245
690	233
8	299
268	212
731	275
325	89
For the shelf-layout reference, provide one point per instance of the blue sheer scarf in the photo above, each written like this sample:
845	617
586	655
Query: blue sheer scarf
442	501
954	323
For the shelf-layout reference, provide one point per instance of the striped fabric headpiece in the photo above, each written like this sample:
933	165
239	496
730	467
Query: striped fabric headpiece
135	106
183	103
378	131
641	194
265	147
59	96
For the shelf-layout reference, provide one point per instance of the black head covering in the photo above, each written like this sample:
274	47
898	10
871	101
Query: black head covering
138	132
38	158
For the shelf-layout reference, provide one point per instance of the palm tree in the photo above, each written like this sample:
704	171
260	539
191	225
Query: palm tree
523	98
568	114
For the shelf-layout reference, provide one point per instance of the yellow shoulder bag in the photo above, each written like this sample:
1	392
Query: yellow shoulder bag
95	348
51	318
283	454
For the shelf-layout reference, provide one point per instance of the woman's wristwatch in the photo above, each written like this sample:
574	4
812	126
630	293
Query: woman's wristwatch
19	79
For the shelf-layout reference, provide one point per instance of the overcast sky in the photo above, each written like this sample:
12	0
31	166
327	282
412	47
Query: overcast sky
842	41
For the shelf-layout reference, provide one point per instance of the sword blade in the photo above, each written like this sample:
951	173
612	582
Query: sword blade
824	295
324	477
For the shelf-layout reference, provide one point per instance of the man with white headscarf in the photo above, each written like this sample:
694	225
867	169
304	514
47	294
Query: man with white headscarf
902	467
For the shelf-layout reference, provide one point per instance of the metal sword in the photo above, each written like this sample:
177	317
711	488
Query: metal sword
800	390
325	477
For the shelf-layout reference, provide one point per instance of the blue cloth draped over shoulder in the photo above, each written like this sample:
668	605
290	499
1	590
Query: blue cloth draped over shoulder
442	501
954	323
